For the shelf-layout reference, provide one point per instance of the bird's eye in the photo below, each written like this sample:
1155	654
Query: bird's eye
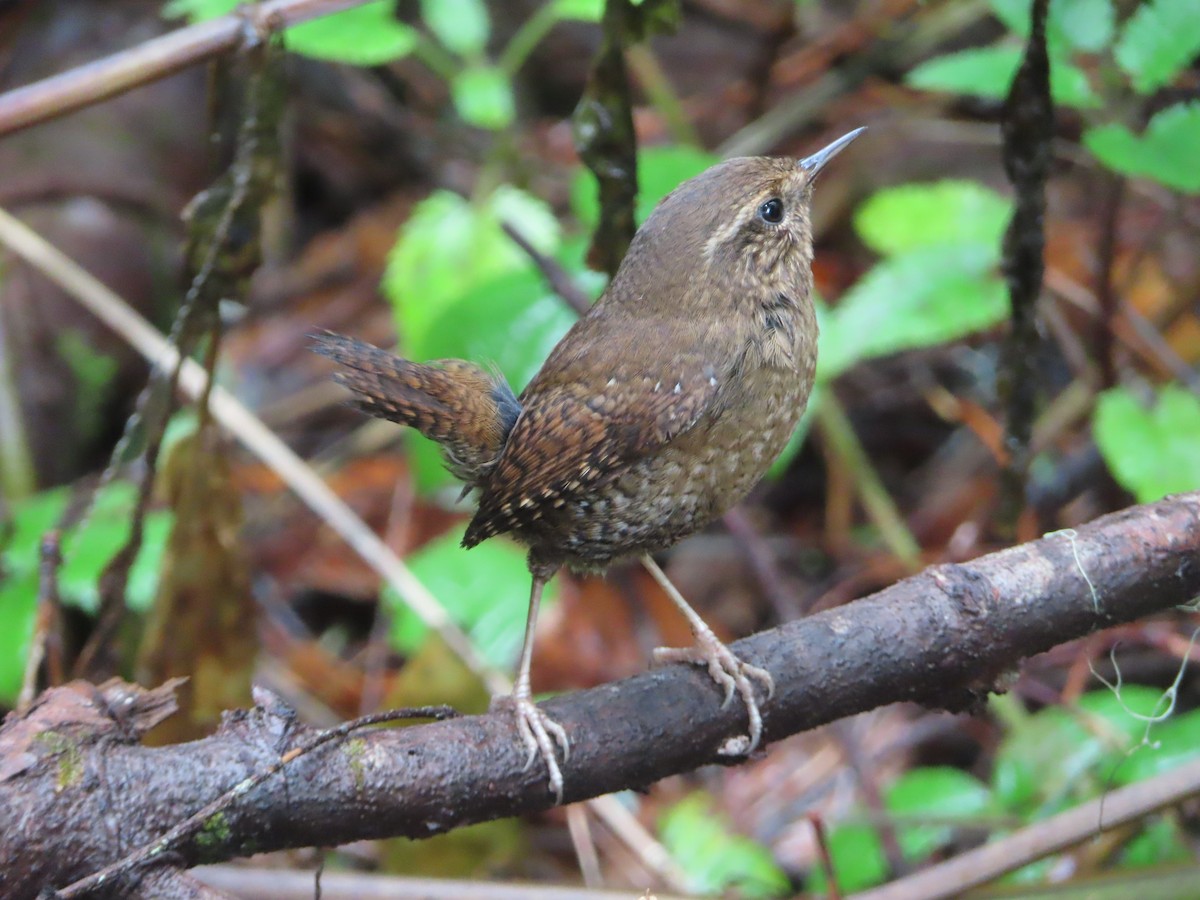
771	212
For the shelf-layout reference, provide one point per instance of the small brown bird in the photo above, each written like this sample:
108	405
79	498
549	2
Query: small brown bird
656	413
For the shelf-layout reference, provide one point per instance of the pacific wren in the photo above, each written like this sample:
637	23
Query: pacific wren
656	413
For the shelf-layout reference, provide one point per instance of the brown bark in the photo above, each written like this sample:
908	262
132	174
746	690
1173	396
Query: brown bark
77	791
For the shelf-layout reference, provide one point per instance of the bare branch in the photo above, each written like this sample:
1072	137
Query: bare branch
942	638
154	59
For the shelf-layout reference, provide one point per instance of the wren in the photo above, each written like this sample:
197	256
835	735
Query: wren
658	411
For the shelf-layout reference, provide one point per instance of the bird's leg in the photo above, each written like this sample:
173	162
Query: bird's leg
538	731
726	669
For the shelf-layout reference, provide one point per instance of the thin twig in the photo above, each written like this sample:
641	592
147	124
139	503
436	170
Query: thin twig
154	59
556	276
989	862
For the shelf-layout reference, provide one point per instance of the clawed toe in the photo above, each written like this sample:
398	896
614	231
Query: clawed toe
729	672
540	733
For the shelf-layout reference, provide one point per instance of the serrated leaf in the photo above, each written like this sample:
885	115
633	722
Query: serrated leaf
1166	151
461	25
485	590
921	298
483	97
367	35
713	857
1158	41
911	216
988	72
1151	452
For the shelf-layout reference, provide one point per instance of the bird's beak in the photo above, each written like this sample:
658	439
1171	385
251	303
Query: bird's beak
815	163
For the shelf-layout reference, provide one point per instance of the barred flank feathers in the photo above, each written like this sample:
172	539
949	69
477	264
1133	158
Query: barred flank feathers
467	410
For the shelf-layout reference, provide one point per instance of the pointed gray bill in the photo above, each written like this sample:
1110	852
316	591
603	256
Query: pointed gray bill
815	163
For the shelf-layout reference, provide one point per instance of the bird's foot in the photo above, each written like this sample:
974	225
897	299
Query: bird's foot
539	733
728	672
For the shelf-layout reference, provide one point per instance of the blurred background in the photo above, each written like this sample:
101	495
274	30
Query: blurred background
393	153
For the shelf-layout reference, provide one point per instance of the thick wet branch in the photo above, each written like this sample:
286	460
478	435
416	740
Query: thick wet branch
78	792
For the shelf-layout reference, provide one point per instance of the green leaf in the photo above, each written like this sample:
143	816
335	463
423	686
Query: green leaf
978	71
1152	452
1085	25
857	856
461	25
714	858
461	288
449	246
366	35
660	171
988	72
1166	151
580	10
911	216
198	10
86	552
1172	743
18	607
1058	756
1160	842
920	298
1158	41
486	593
939	793
511	322
483	97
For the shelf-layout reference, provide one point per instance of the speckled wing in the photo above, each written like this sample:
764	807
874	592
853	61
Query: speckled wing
572	438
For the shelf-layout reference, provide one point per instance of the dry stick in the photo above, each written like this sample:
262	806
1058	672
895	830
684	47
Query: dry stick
311	489
292	884
976	867
193	823
154	59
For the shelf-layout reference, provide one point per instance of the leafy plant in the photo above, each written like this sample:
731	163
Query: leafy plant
488	598
1151	452
1094	62
1049	761
86	553
454	44
714	858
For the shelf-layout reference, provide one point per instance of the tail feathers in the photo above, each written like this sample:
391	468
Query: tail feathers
466	409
